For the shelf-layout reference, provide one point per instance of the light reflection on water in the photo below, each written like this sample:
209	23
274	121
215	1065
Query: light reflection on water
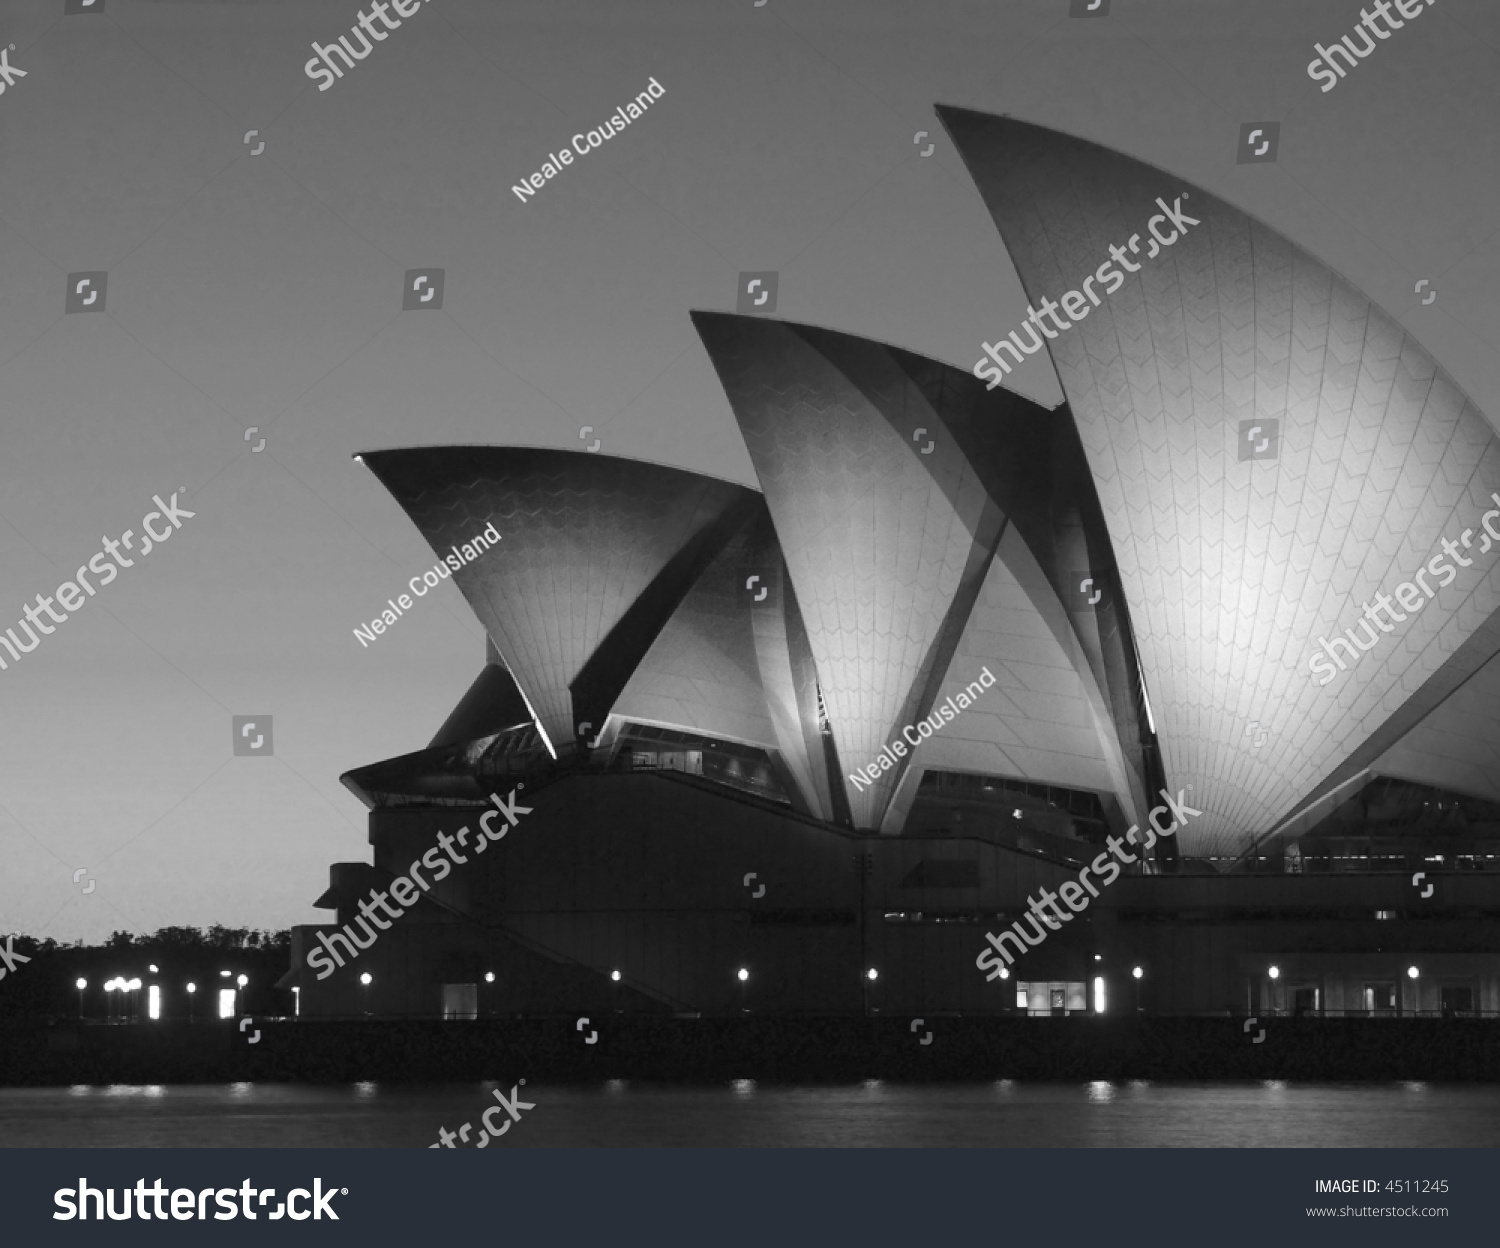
752	1113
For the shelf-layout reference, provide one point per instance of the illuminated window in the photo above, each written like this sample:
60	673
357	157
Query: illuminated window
1040	998
226	1002
460	1001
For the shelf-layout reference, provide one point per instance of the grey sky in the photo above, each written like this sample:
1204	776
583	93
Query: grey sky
266	291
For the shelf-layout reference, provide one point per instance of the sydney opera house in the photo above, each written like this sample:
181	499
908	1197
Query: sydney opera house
798	750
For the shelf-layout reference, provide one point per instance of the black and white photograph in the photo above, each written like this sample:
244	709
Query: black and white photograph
646	584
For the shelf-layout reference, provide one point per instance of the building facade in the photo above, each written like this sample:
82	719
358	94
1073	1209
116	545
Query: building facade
806	749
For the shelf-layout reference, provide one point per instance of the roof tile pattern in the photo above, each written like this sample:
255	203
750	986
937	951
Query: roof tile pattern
582	536
874	548
1233	568
702	673
1043	719
1457	747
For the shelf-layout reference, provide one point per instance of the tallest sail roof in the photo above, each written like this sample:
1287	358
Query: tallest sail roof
1238	552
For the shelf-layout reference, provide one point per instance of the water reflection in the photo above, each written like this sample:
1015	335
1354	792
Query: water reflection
747	1112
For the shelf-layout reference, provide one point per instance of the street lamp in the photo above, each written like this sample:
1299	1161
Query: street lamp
366	979
80	984
1135	974
192	990
1412	972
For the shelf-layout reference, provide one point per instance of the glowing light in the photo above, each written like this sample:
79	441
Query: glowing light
365	979
226	1002
81	984
153	1002
1136	972
489	977
872	974
743	974
242	981
1412	972
1274	972
192	987
615	975
1098	994
536	722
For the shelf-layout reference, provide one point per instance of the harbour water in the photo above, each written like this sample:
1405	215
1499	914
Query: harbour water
745	1113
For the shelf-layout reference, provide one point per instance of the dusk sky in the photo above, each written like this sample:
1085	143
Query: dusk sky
266	290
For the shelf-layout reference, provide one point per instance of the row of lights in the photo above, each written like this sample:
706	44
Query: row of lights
743	975
153	1007
132	985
